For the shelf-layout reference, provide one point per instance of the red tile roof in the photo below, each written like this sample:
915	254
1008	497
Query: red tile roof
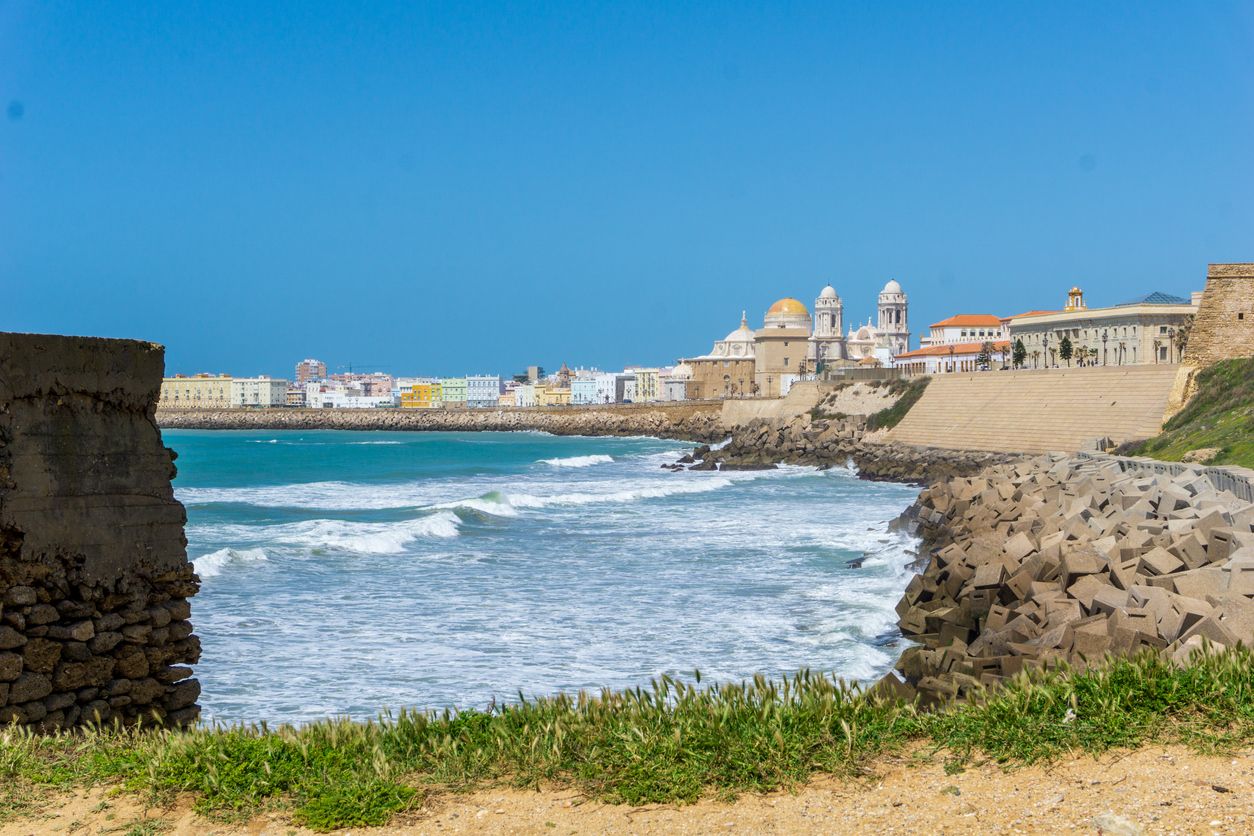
969	319
959	348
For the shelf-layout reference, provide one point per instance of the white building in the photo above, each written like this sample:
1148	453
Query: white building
332	395
966	328
606	388
483	391
583	391
525	394
675	382
258	392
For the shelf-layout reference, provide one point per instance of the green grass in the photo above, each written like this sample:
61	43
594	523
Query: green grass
909	392
669	743
1220	415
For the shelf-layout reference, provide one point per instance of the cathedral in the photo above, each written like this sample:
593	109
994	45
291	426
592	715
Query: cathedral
792	344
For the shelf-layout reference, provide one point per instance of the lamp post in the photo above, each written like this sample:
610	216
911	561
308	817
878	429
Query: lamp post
951	358
1045	346
1105	335
1171	344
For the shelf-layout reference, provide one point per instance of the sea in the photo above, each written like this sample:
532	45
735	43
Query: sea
353	573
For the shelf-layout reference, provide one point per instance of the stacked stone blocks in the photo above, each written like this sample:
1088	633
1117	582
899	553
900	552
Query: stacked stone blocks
1069	559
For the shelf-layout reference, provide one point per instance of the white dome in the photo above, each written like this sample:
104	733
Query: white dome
828	292
682	371
743	334
891	287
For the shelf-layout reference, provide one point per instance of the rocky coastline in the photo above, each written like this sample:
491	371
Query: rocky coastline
838	442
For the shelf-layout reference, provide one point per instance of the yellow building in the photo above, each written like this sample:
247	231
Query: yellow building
422	396
506	400
782	347
552	396
202	391
647	384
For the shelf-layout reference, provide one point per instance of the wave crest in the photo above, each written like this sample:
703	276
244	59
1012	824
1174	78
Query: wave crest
212	564
578	461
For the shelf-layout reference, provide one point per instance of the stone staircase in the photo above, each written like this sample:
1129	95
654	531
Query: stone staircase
1038	411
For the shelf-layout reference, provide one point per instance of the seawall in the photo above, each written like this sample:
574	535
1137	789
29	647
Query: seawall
696	420
1038	411
94	577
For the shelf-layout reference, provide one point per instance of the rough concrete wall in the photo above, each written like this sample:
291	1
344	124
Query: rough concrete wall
1224	326
94	576
800	399
1039	410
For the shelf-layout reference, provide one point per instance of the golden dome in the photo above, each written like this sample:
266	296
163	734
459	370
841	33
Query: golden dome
788	305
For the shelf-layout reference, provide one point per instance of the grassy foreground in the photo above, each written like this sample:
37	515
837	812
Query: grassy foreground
1220	416
669	743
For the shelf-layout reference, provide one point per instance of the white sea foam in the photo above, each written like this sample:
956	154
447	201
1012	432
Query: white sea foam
263	441
657	489
212	564
578	461
365	538
358	443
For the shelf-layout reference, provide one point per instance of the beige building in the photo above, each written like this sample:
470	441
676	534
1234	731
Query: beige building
258	392
202	391
782	347
1142	331
727	371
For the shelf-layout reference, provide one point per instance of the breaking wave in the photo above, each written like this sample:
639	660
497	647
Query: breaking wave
212	564
578	461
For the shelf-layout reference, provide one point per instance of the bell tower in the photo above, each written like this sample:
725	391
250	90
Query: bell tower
828	339
893	325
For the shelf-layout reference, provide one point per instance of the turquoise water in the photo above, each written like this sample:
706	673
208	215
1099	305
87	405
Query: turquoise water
347	572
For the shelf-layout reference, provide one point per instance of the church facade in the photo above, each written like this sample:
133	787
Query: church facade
793	343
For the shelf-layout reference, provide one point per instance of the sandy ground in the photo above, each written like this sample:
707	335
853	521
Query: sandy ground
1152	790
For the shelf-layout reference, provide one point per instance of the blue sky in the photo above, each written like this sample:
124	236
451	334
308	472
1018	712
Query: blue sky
463	187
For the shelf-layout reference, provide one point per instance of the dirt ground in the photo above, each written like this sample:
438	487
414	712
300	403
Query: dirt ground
1151	790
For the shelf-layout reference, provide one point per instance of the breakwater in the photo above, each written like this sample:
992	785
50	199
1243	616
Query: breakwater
696	421
1070	558
94	577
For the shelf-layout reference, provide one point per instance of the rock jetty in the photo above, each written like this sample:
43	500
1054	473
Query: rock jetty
1069	558
699	421
836	442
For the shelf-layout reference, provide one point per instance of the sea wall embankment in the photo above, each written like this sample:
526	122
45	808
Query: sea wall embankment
94	576
1068	558
696	421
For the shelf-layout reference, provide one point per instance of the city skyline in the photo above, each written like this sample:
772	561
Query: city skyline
483	187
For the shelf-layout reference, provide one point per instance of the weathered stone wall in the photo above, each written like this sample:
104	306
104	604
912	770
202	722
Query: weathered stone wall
1224	326
94	576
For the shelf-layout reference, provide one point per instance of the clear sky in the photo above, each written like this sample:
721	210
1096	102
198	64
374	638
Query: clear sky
462	187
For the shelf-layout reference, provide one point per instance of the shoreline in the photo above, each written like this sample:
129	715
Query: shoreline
698	421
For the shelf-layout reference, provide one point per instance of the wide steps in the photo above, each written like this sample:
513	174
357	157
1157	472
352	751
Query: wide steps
1038	411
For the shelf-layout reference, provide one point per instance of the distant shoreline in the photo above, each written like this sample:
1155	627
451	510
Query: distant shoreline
698	421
